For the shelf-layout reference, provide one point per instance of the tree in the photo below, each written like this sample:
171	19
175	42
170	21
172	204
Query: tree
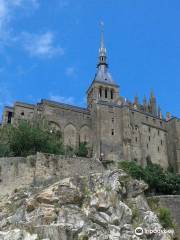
28	138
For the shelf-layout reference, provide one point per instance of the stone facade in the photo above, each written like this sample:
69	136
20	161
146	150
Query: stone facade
114	128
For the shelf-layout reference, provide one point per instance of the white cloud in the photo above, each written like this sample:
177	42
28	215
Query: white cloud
38	45
57	98
70	71
7	14
41	45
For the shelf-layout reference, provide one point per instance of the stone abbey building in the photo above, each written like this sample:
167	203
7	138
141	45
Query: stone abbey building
113	127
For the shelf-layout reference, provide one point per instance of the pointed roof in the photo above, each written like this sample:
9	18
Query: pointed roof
103	76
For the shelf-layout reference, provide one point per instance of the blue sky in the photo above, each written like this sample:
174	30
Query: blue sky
49	49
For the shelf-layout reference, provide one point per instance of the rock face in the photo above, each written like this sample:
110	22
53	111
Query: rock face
18	234
102	206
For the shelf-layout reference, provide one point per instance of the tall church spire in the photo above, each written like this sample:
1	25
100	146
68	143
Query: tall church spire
102	49
103	74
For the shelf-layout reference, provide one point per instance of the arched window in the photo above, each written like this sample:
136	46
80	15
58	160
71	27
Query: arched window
112	94
70	134
106	91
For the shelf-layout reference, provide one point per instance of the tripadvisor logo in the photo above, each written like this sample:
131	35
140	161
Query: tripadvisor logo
139	231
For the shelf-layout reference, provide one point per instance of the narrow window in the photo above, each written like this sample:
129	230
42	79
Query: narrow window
112	120
158	132
149	138
149	129
9	117
147	146
136	139
111	94
161	142
100	92
158	148
112	132
161	123
106	93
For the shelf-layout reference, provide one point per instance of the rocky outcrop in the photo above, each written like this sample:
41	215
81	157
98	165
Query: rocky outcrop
101	206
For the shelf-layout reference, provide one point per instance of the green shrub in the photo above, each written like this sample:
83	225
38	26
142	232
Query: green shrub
4	150
69	151
133	169
153	203
165	218
159	181
82	151
27	139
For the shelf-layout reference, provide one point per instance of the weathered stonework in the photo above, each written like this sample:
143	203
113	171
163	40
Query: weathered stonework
41	169
113	127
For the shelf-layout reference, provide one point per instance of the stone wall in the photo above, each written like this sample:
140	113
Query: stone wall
41	169
173	203
148	139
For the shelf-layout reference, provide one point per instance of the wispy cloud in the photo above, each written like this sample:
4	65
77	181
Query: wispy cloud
62	99
41	45
7	13
71	71
37	45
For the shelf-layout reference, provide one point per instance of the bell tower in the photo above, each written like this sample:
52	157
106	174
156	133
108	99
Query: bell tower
103	87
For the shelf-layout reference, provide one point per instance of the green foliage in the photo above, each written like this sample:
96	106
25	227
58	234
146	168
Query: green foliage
153	203
159	181
133	169
165	218
26	139
82	151
83	236
69	151
4	150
